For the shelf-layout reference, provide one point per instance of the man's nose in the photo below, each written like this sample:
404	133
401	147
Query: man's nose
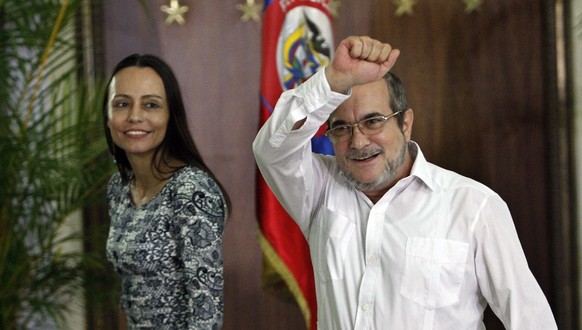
358	140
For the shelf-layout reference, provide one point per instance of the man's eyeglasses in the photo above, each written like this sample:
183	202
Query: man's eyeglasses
368	126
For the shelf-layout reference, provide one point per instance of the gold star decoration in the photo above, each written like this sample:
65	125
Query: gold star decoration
404	6
250	10
175	12
333	7
472	5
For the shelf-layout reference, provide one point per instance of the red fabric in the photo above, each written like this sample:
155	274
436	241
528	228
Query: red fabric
274	223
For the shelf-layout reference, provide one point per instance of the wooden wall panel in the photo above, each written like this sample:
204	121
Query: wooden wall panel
474	81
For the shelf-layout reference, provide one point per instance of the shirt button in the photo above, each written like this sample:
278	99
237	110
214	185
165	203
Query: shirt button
372	260
365	307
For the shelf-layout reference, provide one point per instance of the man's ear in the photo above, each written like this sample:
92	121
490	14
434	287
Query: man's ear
407	123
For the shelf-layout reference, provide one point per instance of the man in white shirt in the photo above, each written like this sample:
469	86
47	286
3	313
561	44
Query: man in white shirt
396	242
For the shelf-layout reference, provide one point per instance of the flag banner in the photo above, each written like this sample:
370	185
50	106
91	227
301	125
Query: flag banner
297	41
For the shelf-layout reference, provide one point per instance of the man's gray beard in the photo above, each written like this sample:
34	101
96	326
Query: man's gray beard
387	175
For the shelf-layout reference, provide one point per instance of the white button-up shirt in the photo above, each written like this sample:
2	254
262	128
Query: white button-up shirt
430	254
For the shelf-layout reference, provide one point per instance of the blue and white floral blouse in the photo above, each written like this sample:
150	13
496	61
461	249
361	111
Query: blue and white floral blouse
169	252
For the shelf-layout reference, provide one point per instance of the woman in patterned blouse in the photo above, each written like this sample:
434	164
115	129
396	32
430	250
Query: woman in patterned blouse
167	209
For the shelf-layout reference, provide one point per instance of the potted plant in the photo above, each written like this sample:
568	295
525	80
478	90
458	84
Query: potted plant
52	159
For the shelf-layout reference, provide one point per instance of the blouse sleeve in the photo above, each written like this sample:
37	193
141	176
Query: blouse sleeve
201	215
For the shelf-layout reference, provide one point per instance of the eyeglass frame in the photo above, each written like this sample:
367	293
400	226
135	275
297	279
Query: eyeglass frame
357	124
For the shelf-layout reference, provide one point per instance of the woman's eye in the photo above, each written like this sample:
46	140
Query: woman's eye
152	105
120	104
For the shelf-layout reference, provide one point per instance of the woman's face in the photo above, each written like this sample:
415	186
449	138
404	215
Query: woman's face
138	111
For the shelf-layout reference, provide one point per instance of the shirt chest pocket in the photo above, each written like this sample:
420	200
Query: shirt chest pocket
433	271
329	244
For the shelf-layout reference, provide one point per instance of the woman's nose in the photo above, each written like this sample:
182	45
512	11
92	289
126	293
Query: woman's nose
135	115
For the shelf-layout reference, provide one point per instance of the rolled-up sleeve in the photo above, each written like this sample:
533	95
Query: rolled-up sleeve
284	155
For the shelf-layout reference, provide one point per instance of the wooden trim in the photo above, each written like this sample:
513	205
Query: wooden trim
558	75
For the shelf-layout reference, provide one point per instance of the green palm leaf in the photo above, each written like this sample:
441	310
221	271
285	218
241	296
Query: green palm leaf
52	154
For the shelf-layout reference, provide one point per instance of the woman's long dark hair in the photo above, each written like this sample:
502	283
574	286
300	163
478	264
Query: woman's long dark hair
178	143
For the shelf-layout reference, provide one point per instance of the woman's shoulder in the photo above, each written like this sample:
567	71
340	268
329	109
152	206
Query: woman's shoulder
115	182
189	173
198	187
116	189
115	178
194	178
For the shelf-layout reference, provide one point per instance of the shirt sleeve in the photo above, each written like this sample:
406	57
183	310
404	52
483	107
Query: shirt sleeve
201	216
284	155
504	276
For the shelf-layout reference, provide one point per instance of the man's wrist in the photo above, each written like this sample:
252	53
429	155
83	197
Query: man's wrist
334	81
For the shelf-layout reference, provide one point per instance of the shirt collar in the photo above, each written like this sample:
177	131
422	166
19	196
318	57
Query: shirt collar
420	167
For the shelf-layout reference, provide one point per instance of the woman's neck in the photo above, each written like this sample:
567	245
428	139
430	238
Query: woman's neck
148	180
143	190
